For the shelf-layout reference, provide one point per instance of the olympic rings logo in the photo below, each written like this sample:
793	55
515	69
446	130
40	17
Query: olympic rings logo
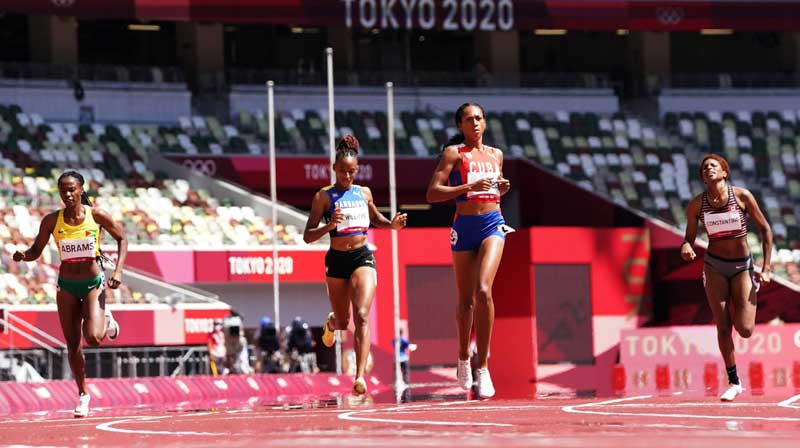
670	16
204	166
63	3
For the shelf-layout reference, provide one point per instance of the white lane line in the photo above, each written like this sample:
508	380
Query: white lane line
581	409
353	416
110	427
788	402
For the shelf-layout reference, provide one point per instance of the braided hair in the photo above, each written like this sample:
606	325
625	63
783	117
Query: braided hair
347	147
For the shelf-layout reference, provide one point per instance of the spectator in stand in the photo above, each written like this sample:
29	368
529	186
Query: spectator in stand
300	346
402	354
268	359
236	344
216	349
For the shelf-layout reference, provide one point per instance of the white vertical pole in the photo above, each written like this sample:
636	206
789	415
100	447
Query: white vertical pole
273	174
331	124
399	384
332	151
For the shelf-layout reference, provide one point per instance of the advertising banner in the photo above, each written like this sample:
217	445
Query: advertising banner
141	325
687	357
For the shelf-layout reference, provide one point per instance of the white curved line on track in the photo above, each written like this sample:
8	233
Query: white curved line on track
353	415
110	427
581	409
788	402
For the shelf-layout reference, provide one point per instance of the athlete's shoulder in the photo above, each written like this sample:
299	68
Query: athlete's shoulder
458	148
740	191
696	200
326	188
54	215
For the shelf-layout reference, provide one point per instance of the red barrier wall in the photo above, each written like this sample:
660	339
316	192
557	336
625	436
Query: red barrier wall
60	396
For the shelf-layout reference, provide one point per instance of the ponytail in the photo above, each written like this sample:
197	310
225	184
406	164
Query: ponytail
85	199
457	139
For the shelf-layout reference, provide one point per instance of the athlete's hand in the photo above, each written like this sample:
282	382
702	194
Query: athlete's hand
18	256
503	185
481	185
115	280
765	276
687	252
399	220
336	218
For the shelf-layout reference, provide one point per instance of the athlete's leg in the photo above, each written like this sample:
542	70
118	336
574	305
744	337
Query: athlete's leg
69	314
94	319
717	293
743	301
363	281
489	256
339	293
466	271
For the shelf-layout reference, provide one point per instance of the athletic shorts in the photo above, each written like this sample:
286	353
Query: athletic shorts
81	288
342	264
730	268
469	231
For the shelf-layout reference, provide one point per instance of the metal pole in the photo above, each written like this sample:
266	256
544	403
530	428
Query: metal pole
273	175
399	384
332	153
331	121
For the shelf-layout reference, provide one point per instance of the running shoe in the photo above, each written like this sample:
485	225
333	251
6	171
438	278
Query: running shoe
485	386
359	386
329	336
464	374
82	409
734	390
113	326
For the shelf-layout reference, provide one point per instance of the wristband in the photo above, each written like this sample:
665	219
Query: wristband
685	242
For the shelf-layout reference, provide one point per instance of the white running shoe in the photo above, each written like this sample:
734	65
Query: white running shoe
485	386
734	390
82	409
113	326
464	374
359	386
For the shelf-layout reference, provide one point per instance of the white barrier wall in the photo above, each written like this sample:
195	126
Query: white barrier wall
706	100
250	98
107	102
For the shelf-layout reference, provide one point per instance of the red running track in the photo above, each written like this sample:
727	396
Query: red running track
654	422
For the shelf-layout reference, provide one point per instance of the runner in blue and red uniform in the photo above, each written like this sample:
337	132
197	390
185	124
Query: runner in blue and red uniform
472	174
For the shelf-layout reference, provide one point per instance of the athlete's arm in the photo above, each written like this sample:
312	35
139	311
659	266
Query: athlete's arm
692	215
117	231
319	204
45	229
764	229
439	191
503	184
377	219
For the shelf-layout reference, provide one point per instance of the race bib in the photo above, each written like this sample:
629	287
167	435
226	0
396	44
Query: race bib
356	219
77	250
722	224
492	193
